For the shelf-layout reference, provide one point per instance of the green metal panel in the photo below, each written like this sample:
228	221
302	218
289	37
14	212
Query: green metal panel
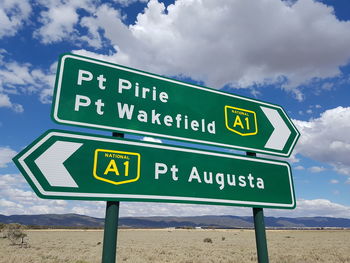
106	168
102	95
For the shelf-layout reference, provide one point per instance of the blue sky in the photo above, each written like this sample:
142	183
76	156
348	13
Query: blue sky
292	53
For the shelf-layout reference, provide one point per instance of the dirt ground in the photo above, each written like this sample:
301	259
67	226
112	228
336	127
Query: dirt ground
187	246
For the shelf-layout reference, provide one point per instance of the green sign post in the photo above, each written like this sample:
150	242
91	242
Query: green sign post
65	165
102	95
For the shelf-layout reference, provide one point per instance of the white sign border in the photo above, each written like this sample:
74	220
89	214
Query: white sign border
50	134
84	124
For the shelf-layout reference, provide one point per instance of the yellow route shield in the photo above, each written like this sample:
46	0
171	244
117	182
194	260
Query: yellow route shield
116	167
241	121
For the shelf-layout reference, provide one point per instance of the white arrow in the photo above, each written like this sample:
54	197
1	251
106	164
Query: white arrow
51	162
281	132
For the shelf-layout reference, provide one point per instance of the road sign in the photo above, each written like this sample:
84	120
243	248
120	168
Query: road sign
64	165
102	95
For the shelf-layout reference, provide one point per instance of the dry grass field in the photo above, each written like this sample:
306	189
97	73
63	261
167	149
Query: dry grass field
185	246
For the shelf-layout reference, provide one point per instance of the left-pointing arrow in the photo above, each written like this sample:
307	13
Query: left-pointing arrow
51	162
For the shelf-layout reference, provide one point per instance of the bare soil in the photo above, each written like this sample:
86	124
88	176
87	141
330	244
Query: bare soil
187	246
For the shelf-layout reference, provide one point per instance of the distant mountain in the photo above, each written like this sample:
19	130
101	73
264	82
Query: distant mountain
233	222
65	220
80	221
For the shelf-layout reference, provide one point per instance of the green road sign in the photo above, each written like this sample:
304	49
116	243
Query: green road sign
64	165
102	95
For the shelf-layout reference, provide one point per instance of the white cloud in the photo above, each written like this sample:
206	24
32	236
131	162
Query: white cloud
128	2
10	207
299	167
286	44
56	25
60	18
15	199
93	37
6	203
11	180
44	209
325	139
109	20
316	169
327	86
162	209
13	14
22	78
6	103
316	207
305	208
334	181
94	209
342	168
6	155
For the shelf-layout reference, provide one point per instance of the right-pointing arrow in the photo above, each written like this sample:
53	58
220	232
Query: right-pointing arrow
51	162
281	132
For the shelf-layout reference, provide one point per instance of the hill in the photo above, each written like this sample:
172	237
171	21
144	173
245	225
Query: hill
81	221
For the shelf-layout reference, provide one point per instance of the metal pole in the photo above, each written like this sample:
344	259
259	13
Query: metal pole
109	250
260	234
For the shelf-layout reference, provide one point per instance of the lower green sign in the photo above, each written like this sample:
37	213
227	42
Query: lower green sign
64	165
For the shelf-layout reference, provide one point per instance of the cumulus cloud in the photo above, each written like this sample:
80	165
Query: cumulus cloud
11	179
305	208
316	169
23	78
6	103
59	19
6	155
108	20
235	43
315	207
18	198
239	43
325	139
13	14
334	181
161	209
128	2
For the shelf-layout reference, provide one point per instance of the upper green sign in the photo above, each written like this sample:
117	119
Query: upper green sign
102	95
65	165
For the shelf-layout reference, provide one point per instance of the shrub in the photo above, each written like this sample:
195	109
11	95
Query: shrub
14	232
207	240
2	230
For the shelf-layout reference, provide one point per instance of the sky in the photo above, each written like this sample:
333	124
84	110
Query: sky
294	53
